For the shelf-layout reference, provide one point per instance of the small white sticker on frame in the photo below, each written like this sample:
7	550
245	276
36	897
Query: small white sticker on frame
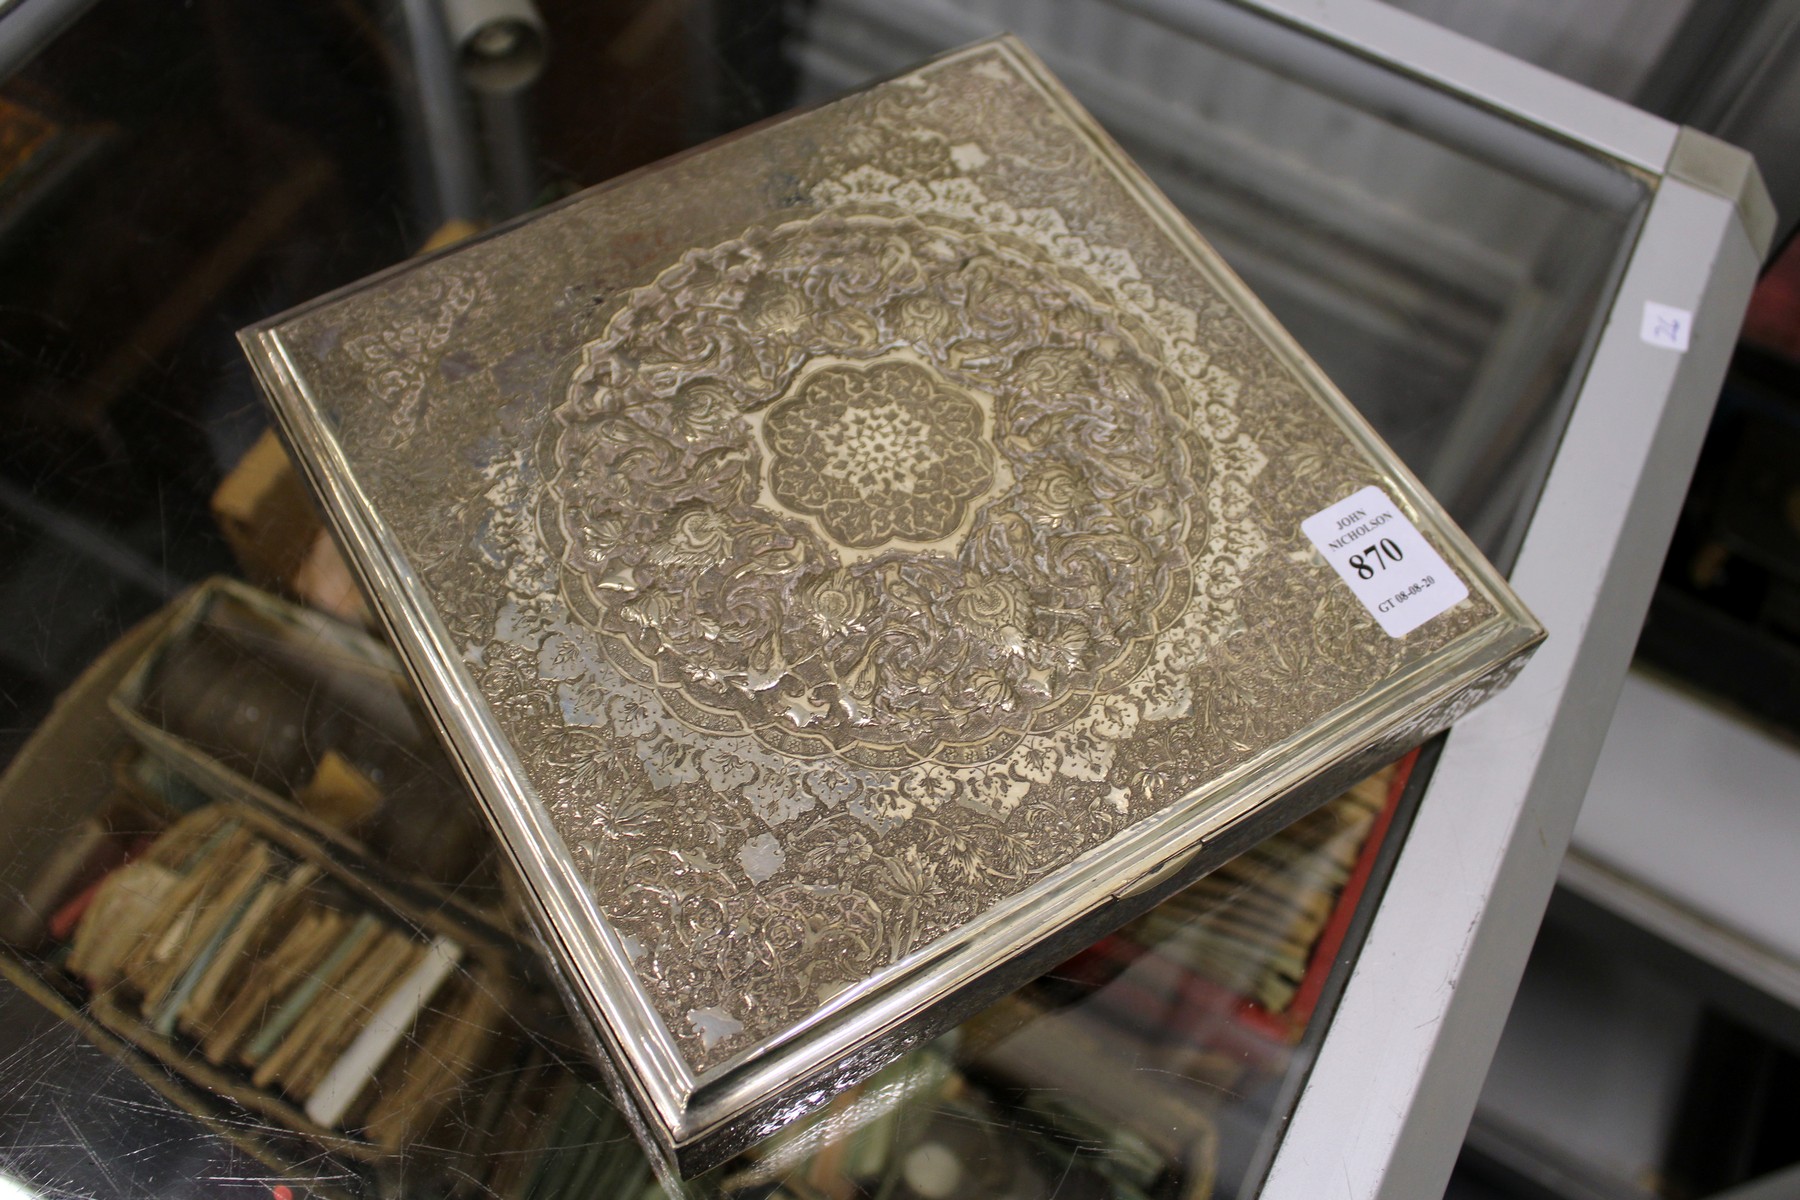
1666	326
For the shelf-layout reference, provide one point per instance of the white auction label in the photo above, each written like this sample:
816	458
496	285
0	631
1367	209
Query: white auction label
1399	577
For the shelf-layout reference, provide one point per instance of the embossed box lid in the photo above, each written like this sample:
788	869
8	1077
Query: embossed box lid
864	560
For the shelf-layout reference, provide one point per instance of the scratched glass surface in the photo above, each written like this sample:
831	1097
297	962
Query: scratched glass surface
255	940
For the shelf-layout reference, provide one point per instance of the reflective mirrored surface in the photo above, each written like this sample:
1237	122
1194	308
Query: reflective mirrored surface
255	939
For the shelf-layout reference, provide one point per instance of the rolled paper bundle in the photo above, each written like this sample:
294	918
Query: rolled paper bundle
236	706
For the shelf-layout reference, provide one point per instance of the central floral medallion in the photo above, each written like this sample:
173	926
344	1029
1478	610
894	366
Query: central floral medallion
878	453
883	488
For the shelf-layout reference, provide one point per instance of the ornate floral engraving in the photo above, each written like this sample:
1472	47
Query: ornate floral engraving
883	453
845	575
908	373
914	507
396	356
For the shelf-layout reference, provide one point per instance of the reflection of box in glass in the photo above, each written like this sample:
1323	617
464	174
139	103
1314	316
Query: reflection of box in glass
861	563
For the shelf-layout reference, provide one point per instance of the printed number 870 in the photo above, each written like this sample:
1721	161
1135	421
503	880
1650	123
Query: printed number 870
1378	555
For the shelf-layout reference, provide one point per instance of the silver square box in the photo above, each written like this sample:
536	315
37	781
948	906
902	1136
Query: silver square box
861	562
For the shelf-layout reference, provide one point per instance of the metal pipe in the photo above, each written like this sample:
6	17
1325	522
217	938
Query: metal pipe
499	45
